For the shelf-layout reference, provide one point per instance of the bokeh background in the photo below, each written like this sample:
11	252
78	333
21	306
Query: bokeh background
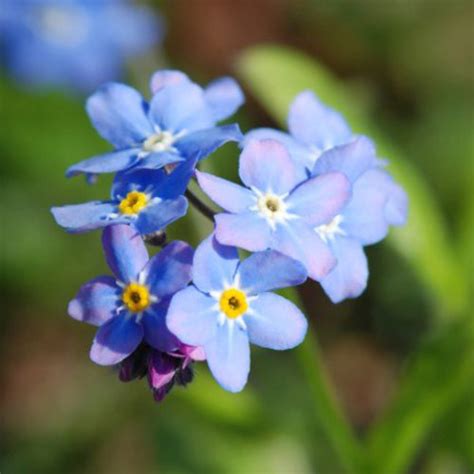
400	359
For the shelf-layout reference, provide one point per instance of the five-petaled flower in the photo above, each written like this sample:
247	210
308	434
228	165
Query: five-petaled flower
131	306
230	305
178	124
279	208
149	200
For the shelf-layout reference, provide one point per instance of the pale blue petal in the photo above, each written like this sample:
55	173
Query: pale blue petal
364	217
167	77
192	316
224	96
248	231
270	270
202	143
118	113
228	195
274	322
311	122
87	216
180	107
348	279
299	241
302	154
106	163
352	159
267	166
396	209
228	357
214	265
321	198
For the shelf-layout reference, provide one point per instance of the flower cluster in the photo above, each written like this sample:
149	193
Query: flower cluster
309	202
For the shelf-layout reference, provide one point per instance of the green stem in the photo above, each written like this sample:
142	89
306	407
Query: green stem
326	410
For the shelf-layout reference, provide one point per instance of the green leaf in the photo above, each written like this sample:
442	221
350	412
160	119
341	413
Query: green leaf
274	75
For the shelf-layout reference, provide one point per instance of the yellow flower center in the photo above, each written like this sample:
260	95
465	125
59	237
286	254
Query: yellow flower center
233	303
133	203
136	297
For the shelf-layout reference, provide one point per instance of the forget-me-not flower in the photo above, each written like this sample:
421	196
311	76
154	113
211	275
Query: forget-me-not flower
77	44
376	202
230	305
178	124
149	200
279	207
131	306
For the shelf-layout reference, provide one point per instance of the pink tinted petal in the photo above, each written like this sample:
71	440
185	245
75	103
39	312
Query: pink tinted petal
267	166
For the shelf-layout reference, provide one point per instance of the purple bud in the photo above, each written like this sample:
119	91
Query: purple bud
135	365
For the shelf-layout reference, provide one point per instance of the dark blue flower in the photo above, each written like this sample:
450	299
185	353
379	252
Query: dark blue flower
148	200
78	44
230	305
131	306
178	124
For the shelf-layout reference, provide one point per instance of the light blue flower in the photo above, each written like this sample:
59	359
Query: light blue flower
230	305
279	207
131	306
178	124
148	200
77	44
376	202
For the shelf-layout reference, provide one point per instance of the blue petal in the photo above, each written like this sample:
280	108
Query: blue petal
275	323
228	356
248	231
106	163
300	153
214	265
269	270
157	334
159	160
348	279
177	181
299	241
192	316
267	166
87	216
180	107
115	340
352	159
364	217
96	302
125	251
228	195
161	214
118	112
321	198
169	270
167	77
202	143
311	122
396	209
224	96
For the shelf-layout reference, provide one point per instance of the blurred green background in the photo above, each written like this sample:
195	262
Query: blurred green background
399	361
